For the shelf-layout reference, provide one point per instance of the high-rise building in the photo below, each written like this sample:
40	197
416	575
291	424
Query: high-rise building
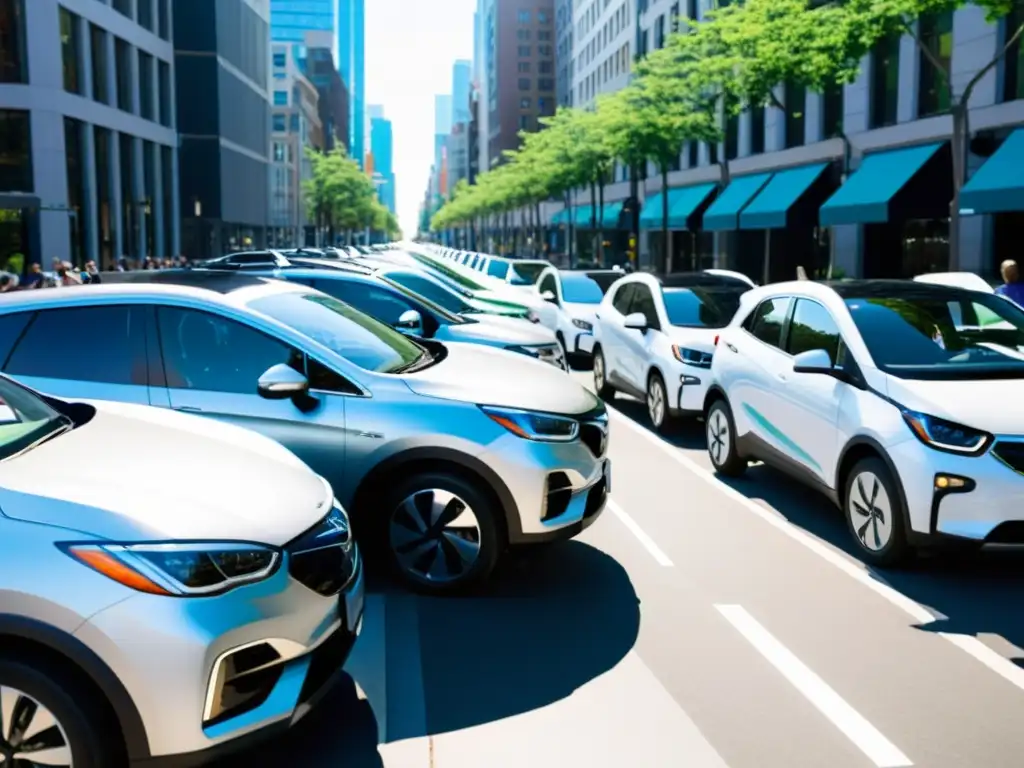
319	67
351	60
608	68
442	125
382	152
87	132
485	83
222	58
565	61
290	20
462	76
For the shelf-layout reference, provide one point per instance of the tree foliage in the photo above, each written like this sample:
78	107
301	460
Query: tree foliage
343	197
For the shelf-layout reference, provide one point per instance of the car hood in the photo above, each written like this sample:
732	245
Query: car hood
992	405
135	473
496	331
487	376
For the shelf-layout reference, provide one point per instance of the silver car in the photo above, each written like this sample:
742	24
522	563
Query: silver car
170	585
445	454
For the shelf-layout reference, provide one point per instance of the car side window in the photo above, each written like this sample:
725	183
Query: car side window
624	298
548	284
11	328
643	301
324	379
105	344
767	321
207	352
812	327
375	302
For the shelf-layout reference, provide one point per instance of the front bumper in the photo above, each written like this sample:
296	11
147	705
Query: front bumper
580	342
987	508
170	654
687	387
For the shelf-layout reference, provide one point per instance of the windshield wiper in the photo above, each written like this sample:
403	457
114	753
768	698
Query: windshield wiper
423	361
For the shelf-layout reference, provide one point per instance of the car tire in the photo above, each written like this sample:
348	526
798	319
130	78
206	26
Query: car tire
604	390
51	691
565	351
451	559
874	513
721	437
658	410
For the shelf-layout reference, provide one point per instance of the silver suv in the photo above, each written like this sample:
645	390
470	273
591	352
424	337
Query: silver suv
445	454
169	585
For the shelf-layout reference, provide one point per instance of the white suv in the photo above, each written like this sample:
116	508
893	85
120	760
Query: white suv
655	337
901	401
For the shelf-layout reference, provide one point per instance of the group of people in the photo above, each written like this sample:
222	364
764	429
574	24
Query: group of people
64	273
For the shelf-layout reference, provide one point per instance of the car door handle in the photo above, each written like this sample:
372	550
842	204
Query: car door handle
188	408
730	347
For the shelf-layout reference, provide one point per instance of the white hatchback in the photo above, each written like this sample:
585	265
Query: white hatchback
901	401
570	299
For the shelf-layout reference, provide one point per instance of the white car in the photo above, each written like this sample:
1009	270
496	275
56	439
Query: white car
968	280
898	400
655	338
570	302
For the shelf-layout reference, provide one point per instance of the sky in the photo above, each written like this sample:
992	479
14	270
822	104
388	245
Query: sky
411	46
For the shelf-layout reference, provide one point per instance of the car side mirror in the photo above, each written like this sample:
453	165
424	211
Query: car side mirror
636	320
282	382
549	296
814	361
410	322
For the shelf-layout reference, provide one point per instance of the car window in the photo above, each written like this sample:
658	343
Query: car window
250	258
586	287
380	303
766	322
623	298
498	269
813	327
24	419
702	306
104	344
11	328
207	352
643	301
549	284
526	274
429	289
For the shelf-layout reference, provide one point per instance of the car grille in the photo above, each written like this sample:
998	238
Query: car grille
325	558
594	432
1011	454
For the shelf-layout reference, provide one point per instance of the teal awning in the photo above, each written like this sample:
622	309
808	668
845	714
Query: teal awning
866	196
582	217
610	214
724	213
683	203
770	208
999	184
650	214
560	217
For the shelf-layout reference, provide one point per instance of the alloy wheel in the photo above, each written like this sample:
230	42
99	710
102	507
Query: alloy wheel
870	510
718	437
30	735
435	536
599	371
656	401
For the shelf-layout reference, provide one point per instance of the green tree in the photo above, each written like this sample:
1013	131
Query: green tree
340	194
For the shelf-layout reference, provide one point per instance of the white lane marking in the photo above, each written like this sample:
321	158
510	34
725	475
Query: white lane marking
968	643
656	552
868	739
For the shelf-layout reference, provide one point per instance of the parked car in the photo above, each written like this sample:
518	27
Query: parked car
655	338
171	586
445	454
571	300
897	399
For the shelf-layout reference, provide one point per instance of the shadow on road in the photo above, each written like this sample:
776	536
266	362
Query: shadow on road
979	593
548	626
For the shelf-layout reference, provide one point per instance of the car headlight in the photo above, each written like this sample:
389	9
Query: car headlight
583	324
531	425
943	435
181	569
691	356
532	316
549	353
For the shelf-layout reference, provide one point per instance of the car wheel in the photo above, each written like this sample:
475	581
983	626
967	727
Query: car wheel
46	719
565	351
443	533
721	436
601	386
874	513
657	403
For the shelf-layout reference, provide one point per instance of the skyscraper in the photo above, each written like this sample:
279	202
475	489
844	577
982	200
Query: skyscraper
462	73
351	29
290	20
382	150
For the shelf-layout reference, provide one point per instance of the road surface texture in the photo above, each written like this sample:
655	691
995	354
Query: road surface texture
698	624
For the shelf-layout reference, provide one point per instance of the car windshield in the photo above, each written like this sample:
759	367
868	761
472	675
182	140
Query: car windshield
344	330
702	307
431	289
942	334
447	315
586	287
498	268
527	274
452	275
25	419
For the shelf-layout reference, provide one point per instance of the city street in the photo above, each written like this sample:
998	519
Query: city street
697	624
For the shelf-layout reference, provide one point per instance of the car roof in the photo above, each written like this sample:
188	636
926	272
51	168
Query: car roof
590	272
698	279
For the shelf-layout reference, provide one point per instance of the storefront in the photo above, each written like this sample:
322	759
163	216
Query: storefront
19	232
692	248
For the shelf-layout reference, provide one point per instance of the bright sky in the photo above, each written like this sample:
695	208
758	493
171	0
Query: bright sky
411	46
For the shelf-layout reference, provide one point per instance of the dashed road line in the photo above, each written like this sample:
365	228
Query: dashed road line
648	543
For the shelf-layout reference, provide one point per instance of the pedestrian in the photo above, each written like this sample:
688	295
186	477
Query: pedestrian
34	278
92	274
1012	287
67	274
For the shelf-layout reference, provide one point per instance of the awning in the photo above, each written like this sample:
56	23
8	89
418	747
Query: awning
684	207
782	196
560	217
999	184
650	214
582	217
868	196
724	213
611	213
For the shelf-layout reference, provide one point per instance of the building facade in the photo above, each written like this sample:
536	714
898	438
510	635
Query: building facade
320	68
351	60
485	78
382	152
290	20
222	57
565	67
462	77
88	147
295	129
605	39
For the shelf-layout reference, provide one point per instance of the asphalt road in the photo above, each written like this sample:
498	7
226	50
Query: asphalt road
698	624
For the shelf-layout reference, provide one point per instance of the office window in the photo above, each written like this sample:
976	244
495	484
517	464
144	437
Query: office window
691	9
524	50
546	67
936	33
15	151
123	6
522	34
795	99
167	192
659	32
129	200
524	83
545	84
674	16
524	122
75	169
280	98
70	51
100	91
525	103
712	152
524	17
1013	80
543	105
122	52
544	34
293	123
104	214
163	25
543	17
149	190
544	50
885	82
164	84
12	42
145	11
523	67
146	101
278	152
732	135
280	59
832	112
